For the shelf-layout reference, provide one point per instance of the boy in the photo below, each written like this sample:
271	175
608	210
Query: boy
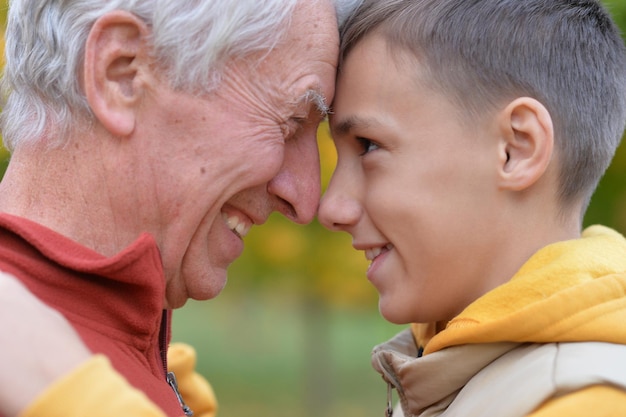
470	137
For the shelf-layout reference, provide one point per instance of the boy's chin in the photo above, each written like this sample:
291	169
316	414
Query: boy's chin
393	314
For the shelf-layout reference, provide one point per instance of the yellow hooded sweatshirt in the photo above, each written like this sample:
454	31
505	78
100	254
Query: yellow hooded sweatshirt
95	389
551	342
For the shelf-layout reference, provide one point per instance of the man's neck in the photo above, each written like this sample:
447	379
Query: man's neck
72	191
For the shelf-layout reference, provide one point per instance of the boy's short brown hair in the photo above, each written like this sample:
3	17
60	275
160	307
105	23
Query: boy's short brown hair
567	54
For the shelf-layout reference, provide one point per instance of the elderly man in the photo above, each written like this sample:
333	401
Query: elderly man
147	137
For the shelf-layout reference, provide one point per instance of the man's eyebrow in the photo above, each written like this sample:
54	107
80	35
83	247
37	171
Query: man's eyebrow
317	98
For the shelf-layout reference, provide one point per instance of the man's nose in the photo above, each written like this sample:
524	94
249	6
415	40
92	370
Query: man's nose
296	187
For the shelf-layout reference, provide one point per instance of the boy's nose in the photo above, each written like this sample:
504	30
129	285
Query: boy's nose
338	210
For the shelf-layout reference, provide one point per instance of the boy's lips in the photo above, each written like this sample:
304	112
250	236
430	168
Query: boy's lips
373	253
376	255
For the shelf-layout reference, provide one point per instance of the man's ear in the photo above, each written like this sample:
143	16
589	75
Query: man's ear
526	143
114	55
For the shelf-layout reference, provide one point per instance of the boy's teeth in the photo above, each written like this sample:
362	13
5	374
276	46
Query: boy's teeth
371	254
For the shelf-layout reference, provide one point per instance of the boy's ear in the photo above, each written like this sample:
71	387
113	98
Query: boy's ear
113	59
526	143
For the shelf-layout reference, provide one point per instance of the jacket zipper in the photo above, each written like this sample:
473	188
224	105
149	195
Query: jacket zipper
389	409
171	379
169	376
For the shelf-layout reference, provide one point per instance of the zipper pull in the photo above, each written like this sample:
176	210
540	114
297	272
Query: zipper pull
389	410
171	380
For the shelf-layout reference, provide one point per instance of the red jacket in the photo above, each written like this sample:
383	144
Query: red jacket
115	304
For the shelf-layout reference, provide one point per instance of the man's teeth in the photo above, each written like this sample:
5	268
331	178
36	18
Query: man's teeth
371	254
233	223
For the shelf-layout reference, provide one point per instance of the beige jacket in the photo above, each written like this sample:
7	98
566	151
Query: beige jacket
549	343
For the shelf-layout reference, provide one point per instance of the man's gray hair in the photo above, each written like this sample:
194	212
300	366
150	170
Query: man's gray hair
192	39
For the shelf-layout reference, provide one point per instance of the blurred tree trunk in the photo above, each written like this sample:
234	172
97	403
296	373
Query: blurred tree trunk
318	366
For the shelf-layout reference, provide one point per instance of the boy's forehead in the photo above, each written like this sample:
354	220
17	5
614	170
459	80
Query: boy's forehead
371	78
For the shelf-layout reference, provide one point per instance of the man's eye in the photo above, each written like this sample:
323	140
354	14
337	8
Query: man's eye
367	145
292	126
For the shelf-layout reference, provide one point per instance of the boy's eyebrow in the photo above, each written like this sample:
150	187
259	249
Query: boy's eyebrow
344	126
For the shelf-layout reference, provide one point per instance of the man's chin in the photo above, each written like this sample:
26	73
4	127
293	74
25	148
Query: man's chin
199	287
210	287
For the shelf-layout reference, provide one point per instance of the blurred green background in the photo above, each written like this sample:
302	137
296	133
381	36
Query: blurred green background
291	333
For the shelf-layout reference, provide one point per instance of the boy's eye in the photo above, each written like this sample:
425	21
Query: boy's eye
367	145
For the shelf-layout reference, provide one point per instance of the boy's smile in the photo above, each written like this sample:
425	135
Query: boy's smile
373	253
410	174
